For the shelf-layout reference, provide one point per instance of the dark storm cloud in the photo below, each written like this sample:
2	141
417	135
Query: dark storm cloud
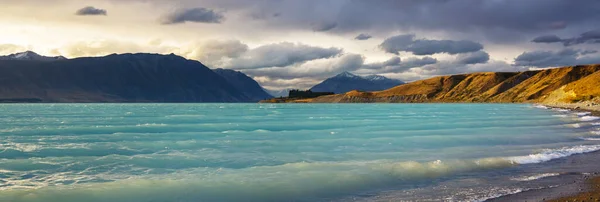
566	57
479	57
323	27
362	37
500	21
198	15
408	43
90	10
468	14
390	62
547	39
587	37
587	52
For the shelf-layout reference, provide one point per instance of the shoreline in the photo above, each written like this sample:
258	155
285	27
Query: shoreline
586	187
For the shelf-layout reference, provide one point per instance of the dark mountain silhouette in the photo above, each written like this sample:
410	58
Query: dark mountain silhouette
116	78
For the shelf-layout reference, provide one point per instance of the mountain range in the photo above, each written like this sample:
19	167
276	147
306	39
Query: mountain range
346	82
557	85
29	77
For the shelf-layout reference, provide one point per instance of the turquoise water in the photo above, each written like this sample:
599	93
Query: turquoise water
266	152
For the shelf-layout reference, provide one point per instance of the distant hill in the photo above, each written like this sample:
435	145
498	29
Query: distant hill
30	56
116	78
248	86
567	84
346	82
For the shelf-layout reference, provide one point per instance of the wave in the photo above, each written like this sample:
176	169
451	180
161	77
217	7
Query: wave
590	118
583	113
552	154
535	177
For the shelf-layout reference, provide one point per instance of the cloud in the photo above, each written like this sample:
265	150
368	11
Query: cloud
396	65
547	39
378	65
281	84
198	15
90	10
319	68
324	26
408	43
278	55
497	20
214	52
587	52
362	37
587	37
478	57
543	59
590	37
6	49
453	67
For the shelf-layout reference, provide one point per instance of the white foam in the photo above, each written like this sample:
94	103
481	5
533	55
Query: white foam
583	113
591	139
535	177
590	118
563	110
541	107
596	124
561	115
554	154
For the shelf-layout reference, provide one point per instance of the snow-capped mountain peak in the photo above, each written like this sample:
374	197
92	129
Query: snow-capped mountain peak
30	55
375	78
347	75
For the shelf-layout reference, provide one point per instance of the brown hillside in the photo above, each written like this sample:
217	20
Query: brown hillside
584	89
540	85
530	86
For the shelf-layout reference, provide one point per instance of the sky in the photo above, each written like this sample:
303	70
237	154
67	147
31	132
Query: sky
298	43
